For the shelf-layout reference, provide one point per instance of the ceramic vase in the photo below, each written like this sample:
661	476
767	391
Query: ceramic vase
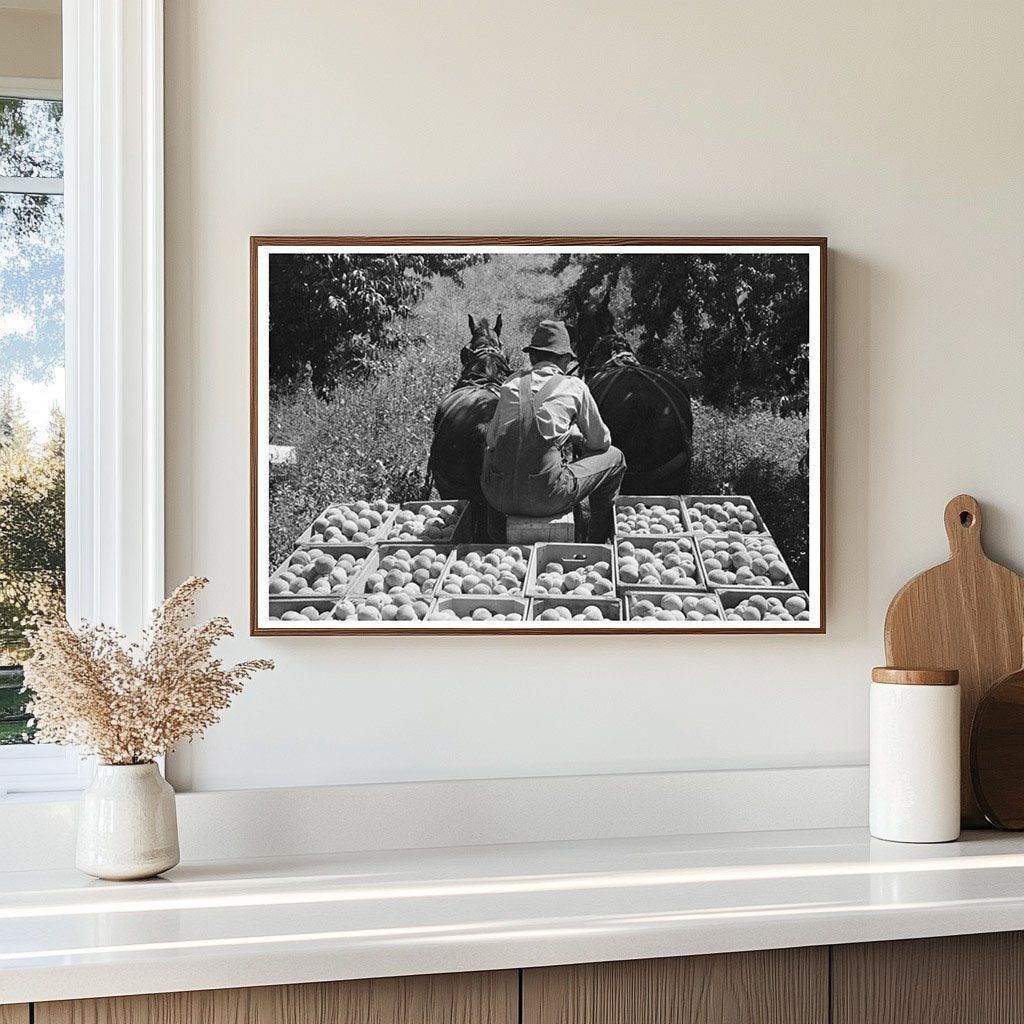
127	825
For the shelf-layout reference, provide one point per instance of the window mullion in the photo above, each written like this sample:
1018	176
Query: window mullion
32	186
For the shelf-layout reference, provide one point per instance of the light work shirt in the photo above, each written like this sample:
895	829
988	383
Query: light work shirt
569	404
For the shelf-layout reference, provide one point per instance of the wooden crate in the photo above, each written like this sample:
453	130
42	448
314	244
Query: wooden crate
359	550
568	554
358	600
732	596
631	597
612	607
462	531
673	501
372	564
688	542
461	550
736	499
539	529
280	605
305	538
468	603
789	584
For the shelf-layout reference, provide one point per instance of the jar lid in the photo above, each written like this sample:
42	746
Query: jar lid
916	676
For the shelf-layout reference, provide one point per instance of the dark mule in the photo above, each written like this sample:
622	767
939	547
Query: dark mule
647	411
460	424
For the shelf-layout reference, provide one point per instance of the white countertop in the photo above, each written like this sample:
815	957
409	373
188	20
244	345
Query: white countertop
352	915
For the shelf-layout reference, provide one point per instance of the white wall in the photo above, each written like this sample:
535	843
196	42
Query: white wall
895	129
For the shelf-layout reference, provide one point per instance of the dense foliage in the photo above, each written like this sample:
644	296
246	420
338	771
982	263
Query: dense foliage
31	525
31	549
334	315
737	321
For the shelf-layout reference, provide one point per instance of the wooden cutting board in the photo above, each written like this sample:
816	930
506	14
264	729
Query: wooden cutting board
967	614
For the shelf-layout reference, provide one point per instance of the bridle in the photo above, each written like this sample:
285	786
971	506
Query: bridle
624	356
485	340
472	376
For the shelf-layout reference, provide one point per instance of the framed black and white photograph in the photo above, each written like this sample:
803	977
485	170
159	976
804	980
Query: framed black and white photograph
533	435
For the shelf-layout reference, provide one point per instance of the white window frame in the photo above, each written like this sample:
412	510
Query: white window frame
113	283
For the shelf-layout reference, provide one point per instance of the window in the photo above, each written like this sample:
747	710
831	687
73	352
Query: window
112	213
32	532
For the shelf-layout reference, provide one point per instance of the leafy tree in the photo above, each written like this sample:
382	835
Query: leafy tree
334	315
738	320
32	548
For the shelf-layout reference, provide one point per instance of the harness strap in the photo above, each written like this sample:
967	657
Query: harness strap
482	382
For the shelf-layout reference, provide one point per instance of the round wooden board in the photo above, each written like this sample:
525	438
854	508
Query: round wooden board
997	752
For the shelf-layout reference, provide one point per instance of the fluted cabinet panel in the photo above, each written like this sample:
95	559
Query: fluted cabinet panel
481	998
960	979
778	986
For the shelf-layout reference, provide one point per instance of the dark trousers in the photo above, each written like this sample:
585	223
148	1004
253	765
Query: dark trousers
596	476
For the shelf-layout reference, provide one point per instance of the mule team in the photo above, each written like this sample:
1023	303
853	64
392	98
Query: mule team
583	422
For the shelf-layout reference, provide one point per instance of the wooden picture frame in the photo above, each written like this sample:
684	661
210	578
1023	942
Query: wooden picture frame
749	252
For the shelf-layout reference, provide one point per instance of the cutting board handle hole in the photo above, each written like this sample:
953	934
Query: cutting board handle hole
966	519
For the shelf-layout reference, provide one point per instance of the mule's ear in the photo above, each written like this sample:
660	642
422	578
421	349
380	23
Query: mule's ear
497	326
472	324
606	301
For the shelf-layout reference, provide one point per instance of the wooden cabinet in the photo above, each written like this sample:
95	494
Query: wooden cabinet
962	979
778	986
491	998
967	979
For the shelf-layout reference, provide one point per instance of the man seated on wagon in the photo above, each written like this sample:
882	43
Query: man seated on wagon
540	414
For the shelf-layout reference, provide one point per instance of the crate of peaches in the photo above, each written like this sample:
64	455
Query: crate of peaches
765	606
647	563
575	609
400	606
303	609
321	572
479	609
572	570
647	515
660	606
443	522
482	569
723	513
355	522
744	560
413	569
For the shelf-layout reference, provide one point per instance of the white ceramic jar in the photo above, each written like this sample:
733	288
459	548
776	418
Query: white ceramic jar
915	755
127	823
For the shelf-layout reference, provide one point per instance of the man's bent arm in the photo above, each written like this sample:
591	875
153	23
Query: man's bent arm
595	434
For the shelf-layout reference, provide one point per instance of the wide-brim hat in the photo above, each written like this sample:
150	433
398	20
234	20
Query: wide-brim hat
551	338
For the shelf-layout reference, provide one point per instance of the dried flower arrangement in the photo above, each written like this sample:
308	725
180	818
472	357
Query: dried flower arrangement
130	703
